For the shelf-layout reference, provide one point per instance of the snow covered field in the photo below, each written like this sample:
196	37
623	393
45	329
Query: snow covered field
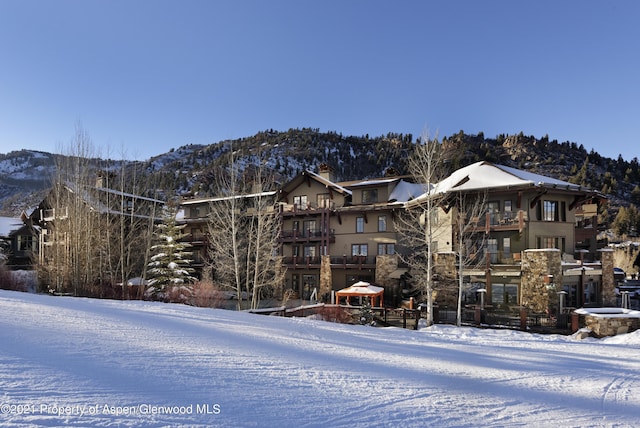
81	362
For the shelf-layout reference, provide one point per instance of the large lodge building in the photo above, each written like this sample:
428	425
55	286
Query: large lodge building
539	235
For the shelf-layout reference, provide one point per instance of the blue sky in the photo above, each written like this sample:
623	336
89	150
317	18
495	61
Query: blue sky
143	76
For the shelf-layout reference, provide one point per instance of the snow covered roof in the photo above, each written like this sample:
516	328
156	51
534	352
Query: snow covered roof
406	191
360	288
374	182
485	175
225	198
328	183
9	224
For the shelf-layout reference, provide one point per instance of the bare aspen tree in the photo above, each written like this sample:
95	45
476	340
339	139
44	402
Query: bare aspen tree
70	263
470	238
417	224
243	230
225	230
264	230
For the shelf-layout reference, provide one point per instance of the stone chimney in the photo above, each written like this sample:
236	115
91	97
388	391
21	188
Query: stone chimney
326	172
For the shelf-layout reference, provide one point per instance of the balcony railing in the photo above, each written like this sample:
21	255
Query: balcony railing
308	207
307	235
500	220
301	261
354	262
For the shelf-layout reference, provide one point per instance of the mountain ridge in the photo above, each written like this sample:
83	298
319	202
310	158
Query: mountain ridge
189	170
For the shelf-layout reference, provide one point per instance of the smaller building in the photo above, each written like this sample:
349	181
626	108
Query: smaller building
18	242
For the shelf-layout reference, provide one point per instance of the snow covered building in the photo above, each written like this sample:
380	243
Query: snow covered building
538	236
334	234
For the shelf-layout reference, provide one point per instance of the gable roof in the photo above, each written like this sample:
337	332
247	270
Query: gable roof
485	175
309	175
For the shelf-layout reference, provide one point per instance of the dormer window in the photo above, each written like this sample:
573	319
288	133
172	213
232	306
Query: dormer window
370	196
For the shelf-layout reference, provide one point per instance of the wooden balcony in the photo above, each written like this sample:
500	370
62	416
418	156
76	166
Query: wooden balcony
309	235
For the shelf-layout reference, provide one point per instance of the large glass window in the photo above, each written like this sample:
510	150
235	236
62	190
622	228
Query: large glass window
359	224
323	200
493	208
359	250
386	249
300	202
504	294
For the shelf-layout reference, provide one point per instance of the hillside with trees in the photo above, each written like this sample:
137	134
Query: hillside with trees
191	170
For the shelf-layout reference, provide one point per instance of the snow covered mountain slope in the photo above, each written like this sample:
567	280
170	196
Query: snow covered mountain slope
81	362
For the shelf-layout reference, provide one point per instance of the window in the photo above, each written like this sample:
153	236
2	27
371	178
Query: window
508	206
300	202
309	282
493	208
386	249
323	200
359	250
309	228
25	243
506	248
309	250
550	211
369	196
508	213
382	223
492	249
359	224
195	212
504	294
551	242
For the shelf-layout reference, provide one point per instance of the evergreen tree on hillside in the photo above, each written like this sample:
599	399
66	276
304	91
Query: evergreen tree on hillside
171	259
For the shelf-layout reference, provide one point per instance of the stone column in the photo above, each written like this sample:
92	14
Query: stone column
536	266
326	279
385	265
608	281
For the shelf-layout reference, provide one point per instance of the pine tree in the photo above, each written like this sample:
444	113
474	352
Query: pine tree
170	262
366	315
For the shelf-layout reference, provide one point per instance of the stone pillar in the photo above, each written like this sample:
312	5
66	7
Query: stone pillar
445	265
326	278
385	265
608	281
536	266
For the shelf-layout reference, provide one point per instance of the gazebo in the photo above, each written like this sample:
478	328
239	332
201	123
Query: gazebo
362	289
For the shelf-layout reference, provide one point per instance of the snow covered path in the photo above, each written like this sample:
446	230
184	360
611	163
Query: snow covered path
82	362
